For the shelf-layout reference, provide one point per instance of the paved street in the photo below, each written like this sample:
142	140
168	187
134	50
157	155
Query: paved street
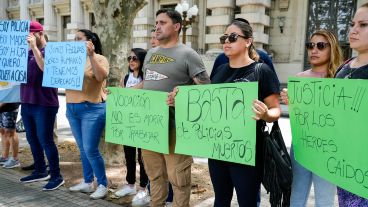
13	193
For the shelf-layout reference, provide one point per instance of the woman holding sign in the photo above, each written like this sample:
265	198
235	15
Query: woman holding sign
357	68
86	111
325	56
238	47
134	79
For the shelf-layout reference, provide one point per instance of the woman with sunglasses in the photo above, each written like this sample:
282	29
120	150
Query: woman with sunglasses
86	111
324	55
356	68
238	47
134	79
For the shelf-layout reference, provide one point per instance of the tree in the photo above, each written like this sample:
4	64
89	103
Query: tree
114	24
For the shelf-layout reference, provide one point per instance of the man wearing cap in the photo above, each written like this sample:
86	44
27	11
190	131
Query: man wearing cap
38	110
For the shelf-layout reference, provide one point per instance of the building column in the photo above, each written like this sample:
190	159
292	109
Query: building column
144	22
50	20
77	19
3	13
222	13
255	12
24	12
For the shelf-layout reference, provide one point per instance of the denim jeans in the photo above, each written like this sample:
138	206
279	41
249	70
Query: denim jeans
324	191
39	124
87	121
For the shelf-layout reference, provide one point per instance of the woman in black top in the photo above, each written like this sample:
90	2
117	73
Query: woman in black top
238	47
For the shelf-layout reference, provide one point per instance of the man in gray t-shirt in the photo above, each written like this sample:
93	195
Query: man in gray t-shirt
165	67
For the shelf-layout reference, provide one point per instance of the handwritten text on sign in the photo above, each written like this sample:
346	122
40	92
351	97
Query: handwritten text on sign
13	51
214	121
138	118
328	122
64	65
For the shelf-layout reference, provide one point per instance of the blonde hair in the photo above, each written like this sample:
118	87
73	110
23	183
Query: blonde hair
336	58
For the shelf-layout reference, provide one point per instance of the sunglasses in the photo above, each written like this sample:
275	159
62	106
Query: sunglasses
232	38
320	45
134	58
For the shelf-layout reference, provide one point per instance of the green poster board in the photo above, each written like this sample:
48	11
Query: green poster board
138	118
328	119
215	121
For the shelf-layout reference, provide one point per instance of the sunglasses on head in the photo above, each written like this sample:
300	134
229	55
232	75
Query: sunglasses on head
134	58
232	38
320	45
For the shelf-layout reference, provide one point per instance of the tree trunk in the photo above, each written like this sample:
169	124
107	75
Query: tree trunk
114	24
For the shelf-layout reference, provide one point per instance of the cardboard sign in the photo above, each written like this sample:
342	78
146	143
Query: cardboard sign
328	121
215	121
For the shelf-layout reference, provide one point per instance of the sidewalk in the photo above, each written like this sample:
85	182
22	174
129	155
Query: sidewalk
14	194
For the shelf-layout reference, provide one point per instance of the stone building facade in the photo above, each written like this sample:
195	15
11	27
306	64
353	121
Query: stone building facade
280	26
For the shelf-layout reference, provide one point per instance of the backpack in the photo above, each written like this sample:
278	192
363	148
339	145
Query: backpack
277	172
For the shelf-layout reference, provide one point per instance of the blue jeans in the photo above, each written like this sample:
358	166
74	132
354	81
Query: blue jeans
87	121
324	191
39	124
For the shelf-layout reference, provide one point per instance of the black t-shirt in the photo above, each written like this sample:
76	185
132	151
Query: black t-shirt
9	107
268	84
268	81
353	73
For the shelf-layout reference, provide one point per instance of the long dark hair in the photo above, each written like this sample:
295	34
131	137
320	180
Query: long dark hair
141	54
94	38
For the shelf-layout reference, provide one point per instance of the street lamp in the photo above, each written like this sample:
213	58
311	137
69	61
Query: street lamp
188	15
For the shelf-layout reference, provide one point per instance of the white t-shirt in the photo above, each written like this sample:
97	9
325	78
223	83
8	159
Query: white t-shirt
132	81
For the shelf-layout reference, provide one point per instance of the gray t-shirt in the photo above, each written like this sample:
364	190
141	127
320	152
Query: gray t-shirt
165	68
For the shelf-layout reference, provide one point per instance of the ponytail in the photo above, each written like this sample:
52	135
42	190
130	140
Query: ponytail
253	53
94	38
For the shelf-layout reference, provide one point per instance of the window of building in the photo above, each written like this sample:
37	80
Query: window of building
168	6
66	20
334	16
41	20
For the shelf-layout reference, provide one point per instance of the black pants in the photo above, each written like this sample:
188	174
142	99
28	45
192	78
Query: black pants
227	175
130	157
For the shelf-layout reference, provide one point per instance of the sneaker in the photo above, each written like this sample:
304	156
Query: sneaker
54	184
100	192
29	167
3	160
141	199
82	187
11	163
126	190
34	177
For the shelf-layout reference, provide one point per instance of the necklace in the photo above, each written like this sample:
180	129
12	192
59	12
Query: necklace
351	71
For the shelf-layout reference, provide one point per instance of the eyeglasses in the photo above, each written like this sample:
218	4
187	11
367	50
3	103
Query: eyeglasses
232	38
134	58
320	45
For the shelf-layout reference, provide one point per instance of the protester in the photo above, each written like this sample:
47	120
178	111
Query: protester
55	135
9	137
324	55
132	79
165	68
222	58
357	68
86	111
238	47
154	42
39	106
